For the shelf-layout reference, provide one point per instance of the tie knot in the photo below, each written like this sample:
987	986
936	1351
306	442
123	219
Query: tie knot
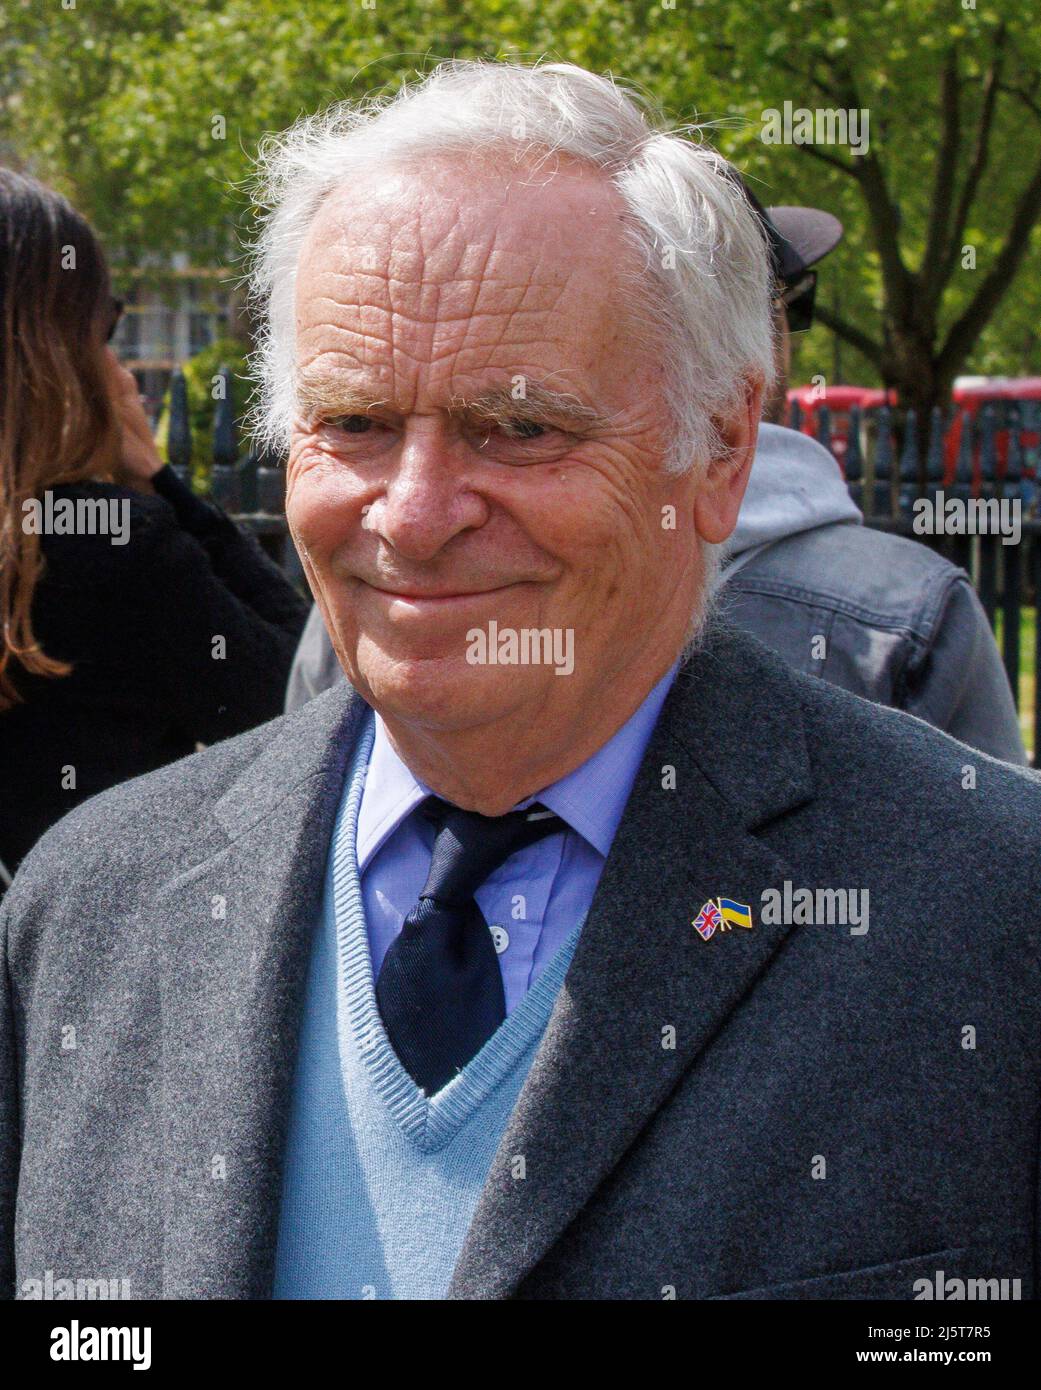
468	847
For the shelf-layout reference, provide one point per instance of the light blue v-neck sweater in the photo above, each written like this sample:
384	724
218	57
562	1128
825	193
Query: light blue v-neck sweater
381	1181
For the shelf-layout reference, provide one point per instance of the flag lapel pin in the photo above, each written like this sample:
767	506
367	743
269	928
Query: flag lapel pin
720	914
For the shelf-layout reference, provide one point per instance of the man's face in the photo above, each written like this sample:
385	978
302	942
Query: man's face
432	490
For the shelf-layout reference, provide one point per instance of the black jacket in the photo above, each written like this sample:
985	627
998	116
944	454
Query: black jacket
139	623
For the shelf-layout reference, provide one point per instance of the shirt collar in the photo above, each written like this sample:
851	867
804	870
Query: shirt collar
591	799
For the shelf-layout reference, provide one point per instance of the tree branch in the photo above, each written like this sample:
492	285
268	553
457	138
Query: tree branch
886	223
809	75
1024	94
970	325
885	219
980	157
817	153
943	186
1032	106
871	349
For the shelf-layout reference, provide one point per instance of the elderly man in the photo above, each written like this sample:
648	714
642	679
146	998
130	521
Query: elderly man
543	962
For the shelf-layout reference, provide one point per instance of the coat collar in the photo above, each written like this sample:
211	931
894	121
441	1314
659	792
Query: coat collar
728	755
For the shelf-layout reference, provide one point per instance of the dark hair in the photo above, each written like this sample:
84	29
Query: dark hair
57	422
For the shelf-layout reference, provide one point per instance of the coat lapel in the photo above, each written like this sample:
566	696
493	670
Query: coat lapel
236	931
732	731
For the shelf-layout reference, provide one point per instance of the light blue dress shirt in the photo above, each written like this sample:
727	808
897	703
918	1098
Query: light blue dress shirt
534	899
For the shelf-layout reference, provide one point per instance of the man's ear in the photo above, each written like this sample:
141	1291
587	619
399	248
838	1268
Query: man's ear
719	493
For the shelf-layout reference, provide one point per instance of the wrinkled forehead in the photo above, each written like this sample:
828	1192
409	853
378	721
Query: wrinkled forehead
450	268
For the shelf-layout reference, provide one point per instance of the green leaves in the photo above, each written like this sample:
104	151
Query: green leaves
114	102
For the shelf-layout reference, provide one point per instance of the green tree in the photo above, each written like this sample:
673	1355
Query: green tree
944	207
149	115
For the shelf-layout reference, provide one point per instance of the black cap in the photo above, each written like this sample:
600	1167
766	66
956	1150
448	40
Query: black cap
811	232
788	265
798	237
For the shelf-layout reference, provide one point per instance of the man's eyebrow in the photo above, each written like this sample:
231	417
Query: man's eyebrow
539	404
320	390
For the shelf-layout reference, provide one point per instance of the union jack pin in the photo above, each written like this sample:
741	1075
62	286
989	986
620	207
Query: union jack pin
707	920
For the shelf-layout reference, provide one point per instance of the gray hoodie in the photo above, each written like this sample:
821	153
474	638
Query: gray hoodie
795	486
882	616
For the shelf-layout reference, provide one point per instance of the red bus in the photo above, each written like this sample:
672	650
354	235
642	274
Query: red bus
839	401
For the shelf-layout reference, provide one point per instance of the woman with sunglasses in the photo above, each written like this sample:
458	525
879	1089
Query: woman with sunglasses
145	622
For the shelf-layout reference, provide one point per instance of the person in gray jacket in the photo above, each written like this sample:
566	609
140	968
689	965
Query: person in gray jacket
879	615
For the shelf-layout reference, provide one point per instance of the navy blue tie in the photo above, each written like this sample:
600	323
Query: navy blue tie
439	989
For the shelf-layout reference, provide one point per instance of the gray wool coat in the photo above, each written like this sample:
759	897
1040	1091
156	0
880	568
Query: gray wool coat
791	1110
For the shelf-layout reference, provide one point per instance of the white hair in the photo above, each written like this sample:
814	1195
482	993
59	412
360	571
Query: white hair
703	298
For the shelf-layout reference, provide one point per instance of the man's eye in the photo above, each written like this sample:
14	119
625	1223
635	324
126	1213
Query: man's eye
353	424
520	441
522	429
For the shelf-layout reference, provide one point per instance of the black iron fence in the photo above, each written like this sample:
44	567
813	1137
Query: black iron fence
249	486
987	466
992	458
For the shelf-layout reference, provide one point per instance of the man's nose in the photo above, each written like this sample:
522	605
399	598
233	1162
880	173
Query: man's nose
428	498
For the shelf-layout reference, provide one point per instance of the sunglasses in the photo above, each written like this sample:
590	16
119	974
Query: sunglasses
798	300
116	313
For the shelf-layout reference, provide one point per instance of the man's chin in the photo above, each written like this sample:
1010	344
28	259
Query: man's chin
441	692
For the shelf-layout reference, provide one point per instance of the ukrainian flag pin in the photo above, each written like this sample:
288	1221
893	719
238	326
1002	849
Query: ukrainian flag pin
734	914
720	914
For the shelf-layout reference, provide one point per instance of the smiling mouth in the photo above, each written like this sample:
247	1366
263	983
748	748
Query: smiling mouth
421	596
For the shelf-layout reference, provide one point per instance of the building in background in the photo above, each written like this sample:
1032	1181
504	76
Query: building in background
171	312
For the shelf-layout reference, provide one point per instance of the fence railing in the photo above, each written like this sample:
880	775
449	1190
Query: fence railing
994	457
990	459
249	486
